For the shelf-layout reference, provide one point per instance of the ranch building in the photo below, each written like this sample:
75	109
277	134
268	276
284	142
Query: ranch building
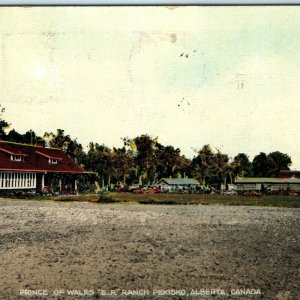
37	169
272	184
177	183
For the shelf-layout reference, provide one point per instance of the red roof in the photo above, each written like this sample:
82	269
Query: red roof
36	159
289	173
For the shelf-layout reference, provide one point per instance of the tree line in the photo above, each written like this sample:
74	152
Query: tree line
143	160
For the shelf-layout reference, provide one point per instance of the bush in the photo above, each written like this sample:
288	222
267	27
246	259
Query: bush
107	199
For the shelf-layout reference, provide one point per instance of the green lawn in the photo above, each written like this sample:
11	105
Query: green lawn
180	199
205	199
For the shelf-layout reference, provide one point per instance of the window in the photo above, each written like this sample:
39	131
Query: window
16	158
53	161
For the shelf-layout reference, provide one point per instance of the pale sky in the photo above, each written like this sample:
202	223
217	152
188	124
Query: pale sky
224	76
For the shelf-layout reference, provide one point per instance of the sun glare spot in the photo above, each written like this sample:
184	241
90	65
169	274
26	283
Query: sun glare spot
39	72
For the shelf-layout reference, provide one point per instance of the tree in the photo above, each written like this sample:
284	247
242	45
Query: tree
211	167
260	165
58	140
203	165
29	137
100	159
280	161
144	157
169	161
271	170
75	150
122	164
14	136
223	169
241	165
270	165
3	126
67	144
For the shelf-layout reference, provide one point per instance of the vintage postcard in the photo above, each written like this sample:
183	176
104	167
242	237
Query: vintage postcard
113	117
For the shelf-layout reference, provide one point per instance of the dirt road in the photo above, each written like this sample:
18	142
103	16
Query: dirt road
160	251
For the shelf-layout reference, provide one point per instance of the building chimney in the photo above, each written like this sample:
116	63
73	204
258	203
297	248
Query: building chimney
40	144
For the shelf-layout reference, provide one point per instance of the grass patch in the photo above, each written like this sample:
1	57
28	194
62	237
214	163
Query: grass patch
204	199
107	199
178	199
79	198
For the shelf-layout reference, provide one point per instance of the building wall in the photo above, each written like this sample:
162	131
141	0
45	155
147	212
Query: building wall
269	186
248	186
295	187
284	187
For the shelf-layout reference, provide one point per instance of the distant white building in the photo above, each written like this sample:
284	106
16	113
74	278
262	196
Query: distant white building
272	184
177	183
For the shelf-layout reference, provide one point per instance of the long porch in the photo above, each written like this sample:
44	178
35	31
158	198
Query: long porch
57	183
43	183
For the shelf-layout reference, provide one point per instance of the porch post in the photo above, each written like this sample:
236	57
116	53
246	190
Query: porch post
34	180
43	182
60	185
10	179
75	186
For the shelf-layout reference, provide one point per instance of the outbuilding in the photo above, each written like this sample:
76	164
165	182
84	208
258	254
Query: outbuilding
177	183
265	183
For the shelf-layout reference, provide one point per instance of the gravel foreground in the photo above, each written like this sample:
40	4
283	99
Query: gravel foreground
90	249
